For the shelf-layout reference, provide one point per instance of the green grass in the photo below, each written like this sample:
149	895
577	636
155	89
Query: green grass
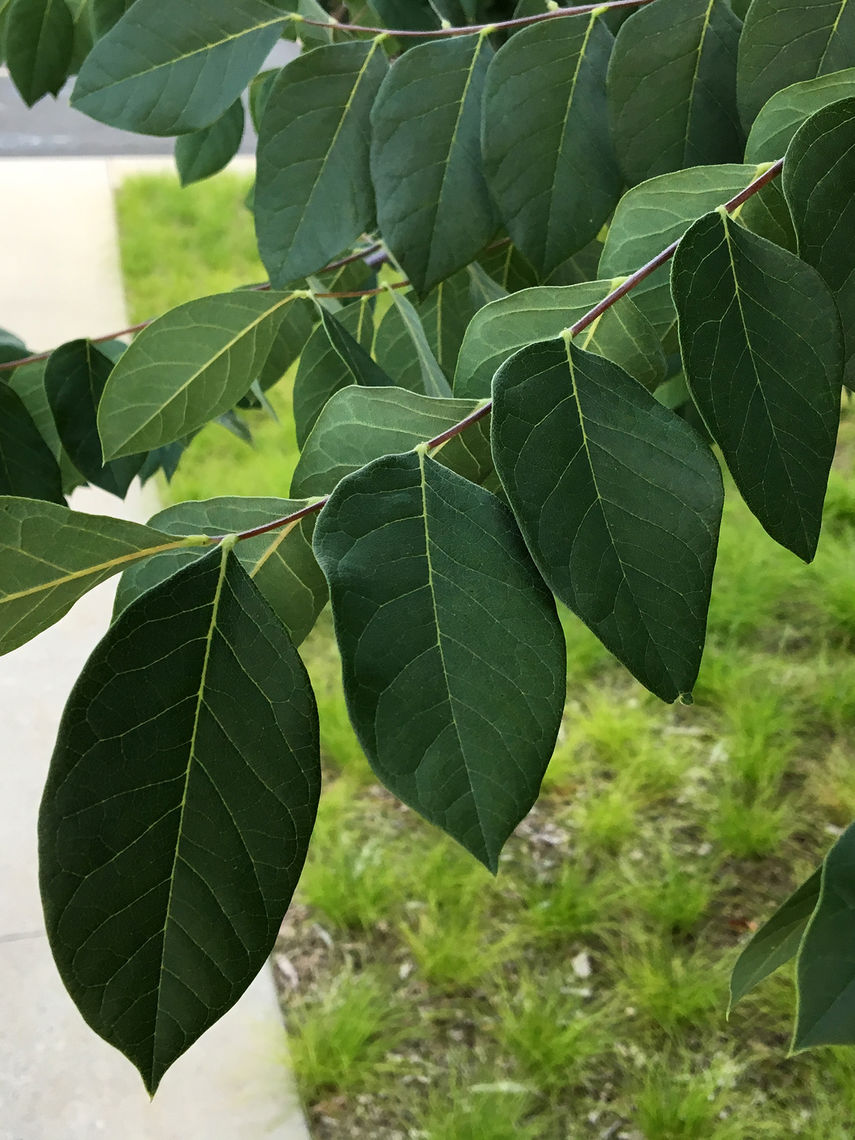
582	992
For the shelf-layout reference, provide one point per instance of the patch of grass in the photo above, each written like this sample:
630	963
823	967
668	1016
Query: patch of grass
582	993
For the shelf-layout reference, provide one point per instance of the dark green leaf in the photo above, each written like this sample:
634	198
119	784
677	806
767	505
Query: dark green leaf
105	13
39	43
619	502
788	41
432	381
163	459
766	213
27	464
547	153
29	383
292	334
777	940
167	69
11	348
360	366
501	328
452	653
651	216
322	370
207	151
819	175
361	424
825	970
433	205
672	88
74	382
785	112
505	264
176	817
281	563
190	366
763	353
313	194
50	557
259	93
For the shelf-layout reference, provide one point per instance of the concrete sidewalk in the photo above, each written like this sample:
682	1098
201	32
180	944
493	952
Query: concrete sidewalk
59	279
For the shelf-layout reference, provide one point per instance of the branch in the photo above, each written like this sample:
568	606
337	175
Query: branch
470	29
480	413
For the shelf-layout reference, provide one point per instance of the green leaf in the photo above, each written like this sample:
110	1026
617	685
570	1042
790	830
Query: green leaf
106	13
313	194
777	940
788	41
433	204
361	424
763	353
167	69
209	150
672	88
818	178
547	154
176	817
766	213
825	969
51	556
359	364
619	502
432	381
27	464
29	383
11	348
281	563
506	265
501	328
259	94
322	371
74	381
190	366
651	216
785	112
457	708
39	43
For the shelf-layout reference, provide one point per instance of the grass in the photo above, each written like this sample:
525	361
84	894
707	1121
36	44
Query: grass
581	993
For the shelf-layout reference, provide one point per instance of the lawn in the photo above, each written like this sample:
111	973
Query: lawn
582	993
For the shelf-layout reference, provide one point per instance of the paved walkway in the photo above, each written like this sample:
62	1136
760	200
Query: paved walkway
59	278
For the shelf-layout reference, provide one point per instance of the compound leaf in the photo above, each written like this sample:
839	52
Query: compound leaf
281	563
672	88
619	501
190	366
431	589
763	353
313	192
547	154
167	69
433	205
51	556
167	864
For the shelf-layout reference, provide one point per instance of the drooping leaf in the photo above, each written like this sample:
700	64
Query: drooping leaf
501	328
27	464
825	970
167	861
763	353
207	151
777	940
433	206
51	556
322	371
313	194
281	563
547	150
163	459
361	424
29	383
619	502
651	216
785	112
259	93
432	381
167	69
294	330
39	41
818	178
190	366
74	381
672	88
359	364
452	653
787	41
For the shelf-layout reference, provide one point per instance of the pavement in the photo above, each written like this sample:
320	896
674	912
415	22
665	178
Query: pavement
59	279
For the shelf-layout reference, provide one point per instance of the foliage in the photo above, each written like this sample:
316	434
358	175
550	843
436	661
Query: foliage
185	779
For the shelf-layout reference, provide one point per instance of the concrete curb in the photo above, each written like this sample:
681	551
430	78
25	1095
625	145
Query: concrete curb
60	280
